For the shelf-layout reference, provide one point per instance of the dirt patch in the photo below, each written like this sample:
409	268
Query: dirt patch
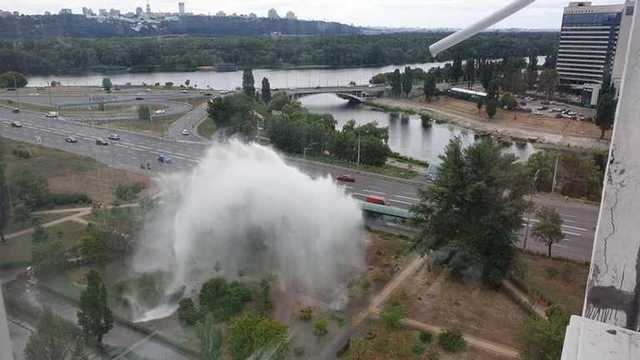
552	281
515	124
435	299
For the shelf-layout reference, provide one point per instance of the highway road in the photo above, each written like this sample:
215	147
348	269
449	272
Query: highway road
133	149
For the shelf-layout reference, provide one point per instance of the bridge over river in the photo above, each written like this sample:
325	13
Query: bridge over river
354	94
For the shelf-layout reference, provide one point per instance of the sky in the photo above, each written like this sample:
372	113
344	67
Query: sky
544	14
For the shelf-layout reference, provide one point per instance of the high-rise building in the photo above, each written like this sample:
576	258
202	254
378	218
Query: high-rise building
273	14
114	12
148	8
65	12
291	15
103	12
181	8
139	11
591	46
87	11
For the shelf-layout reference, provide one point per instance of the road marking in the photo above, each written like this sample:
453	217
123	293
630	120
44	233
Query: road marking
407	198
374	192
574	228
400	202
571	233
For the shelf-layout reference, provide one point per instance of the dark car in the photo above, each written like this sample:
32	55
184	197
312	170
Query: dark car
15	110
16	124
101	142
139	98
71	140
346	178
164	159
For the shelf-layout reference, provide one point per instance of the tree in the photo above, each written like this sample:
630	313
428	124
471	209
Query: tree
53	339
475	206
187	83
457	71
210	338
470	72
94	316
429	87
29	188
248	84
491	104
548	82
255	336
222	299
548	229
532	72
392	315
606	108
396	83
106	84
479	104
320	327
144	112
486	74
266	91
47	256
407	81
543	339
12	79
5	205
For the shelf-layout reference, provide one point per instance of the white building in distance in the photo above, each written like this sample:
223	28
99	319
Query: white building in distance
291	15
273	14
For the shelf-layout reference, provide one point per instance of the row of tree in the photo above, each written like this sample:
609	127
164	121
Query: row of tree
41	56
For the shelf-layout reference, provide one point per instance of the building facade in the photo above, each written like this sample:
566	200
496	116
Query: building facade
588	50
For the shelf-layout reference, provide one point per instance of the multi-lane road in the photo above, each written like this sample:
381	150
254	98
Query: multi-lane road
134	149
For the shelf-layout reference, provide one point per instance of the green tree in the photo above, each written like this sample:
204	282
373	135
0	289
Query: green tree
266	91
187	311
475	205
94	316
29	188
486	74
543	339
457	71
548	229
47	257
93	247
470	72
392	315
5	205
479	104
396	83
53	339
320	327
106	84
12	79
532	72
144	113
606	108
548	82
248	84
429	87
255	336
223	299
210	338
407	81
491	103
508	101
187	83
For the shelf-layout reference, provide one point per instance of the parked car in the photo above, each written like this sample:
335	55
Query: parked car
374	199
160	111
162	158
114	137
71	140
15	110
52	114
101	141
185	132
16	124
346	178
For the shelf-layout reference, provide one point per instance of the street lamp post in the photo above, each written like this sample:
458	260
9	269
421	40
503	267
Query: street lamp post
531	191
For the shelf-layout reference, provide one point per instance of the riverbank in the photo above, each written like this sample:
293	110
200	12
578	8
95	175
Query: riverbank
509	125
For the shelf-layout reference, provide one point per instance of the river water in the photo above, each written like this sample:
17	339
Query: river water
406	137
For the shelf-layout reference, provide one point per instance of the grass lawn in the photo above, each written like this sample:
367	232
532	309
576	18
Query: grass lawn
158	127
13	226
206	129
552	281
18	250
68	173
387	170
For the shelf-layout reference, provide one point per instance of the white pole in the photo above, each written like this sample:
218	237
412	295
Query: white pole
555	175
479	26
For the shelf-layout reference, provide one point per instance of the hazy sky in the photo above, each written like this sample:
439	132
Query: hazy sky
391	13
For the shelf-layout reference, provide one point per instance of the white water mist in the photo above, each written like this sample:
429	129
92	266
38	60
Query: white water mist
244	210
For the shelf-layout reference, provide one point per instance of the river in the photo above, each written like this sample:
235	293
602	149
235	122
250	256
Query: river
406	137
231	80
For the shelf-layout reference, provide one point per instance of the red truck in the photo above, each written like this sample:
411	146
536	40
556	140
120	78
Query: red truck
373	199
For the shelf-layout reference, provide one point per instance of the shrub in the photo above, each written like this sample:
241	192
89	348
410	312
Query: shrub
306	314
128	192
426	337
255	335
64	199
433	354
544	338
187	312
321	327
418	348
551	272
451	340
391	315
223	299
426	120
22	152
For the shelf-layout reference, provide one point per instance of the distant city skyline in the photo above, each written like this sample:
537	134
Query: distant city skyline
544	14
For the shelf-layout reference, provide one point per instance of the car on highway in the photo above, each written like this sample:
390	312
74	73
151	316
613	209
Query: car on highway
374	199
52	114
184	91
346	178
160	111
71	139
114	137
185	132
101	141
16	124
15	110
164	159
139	98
